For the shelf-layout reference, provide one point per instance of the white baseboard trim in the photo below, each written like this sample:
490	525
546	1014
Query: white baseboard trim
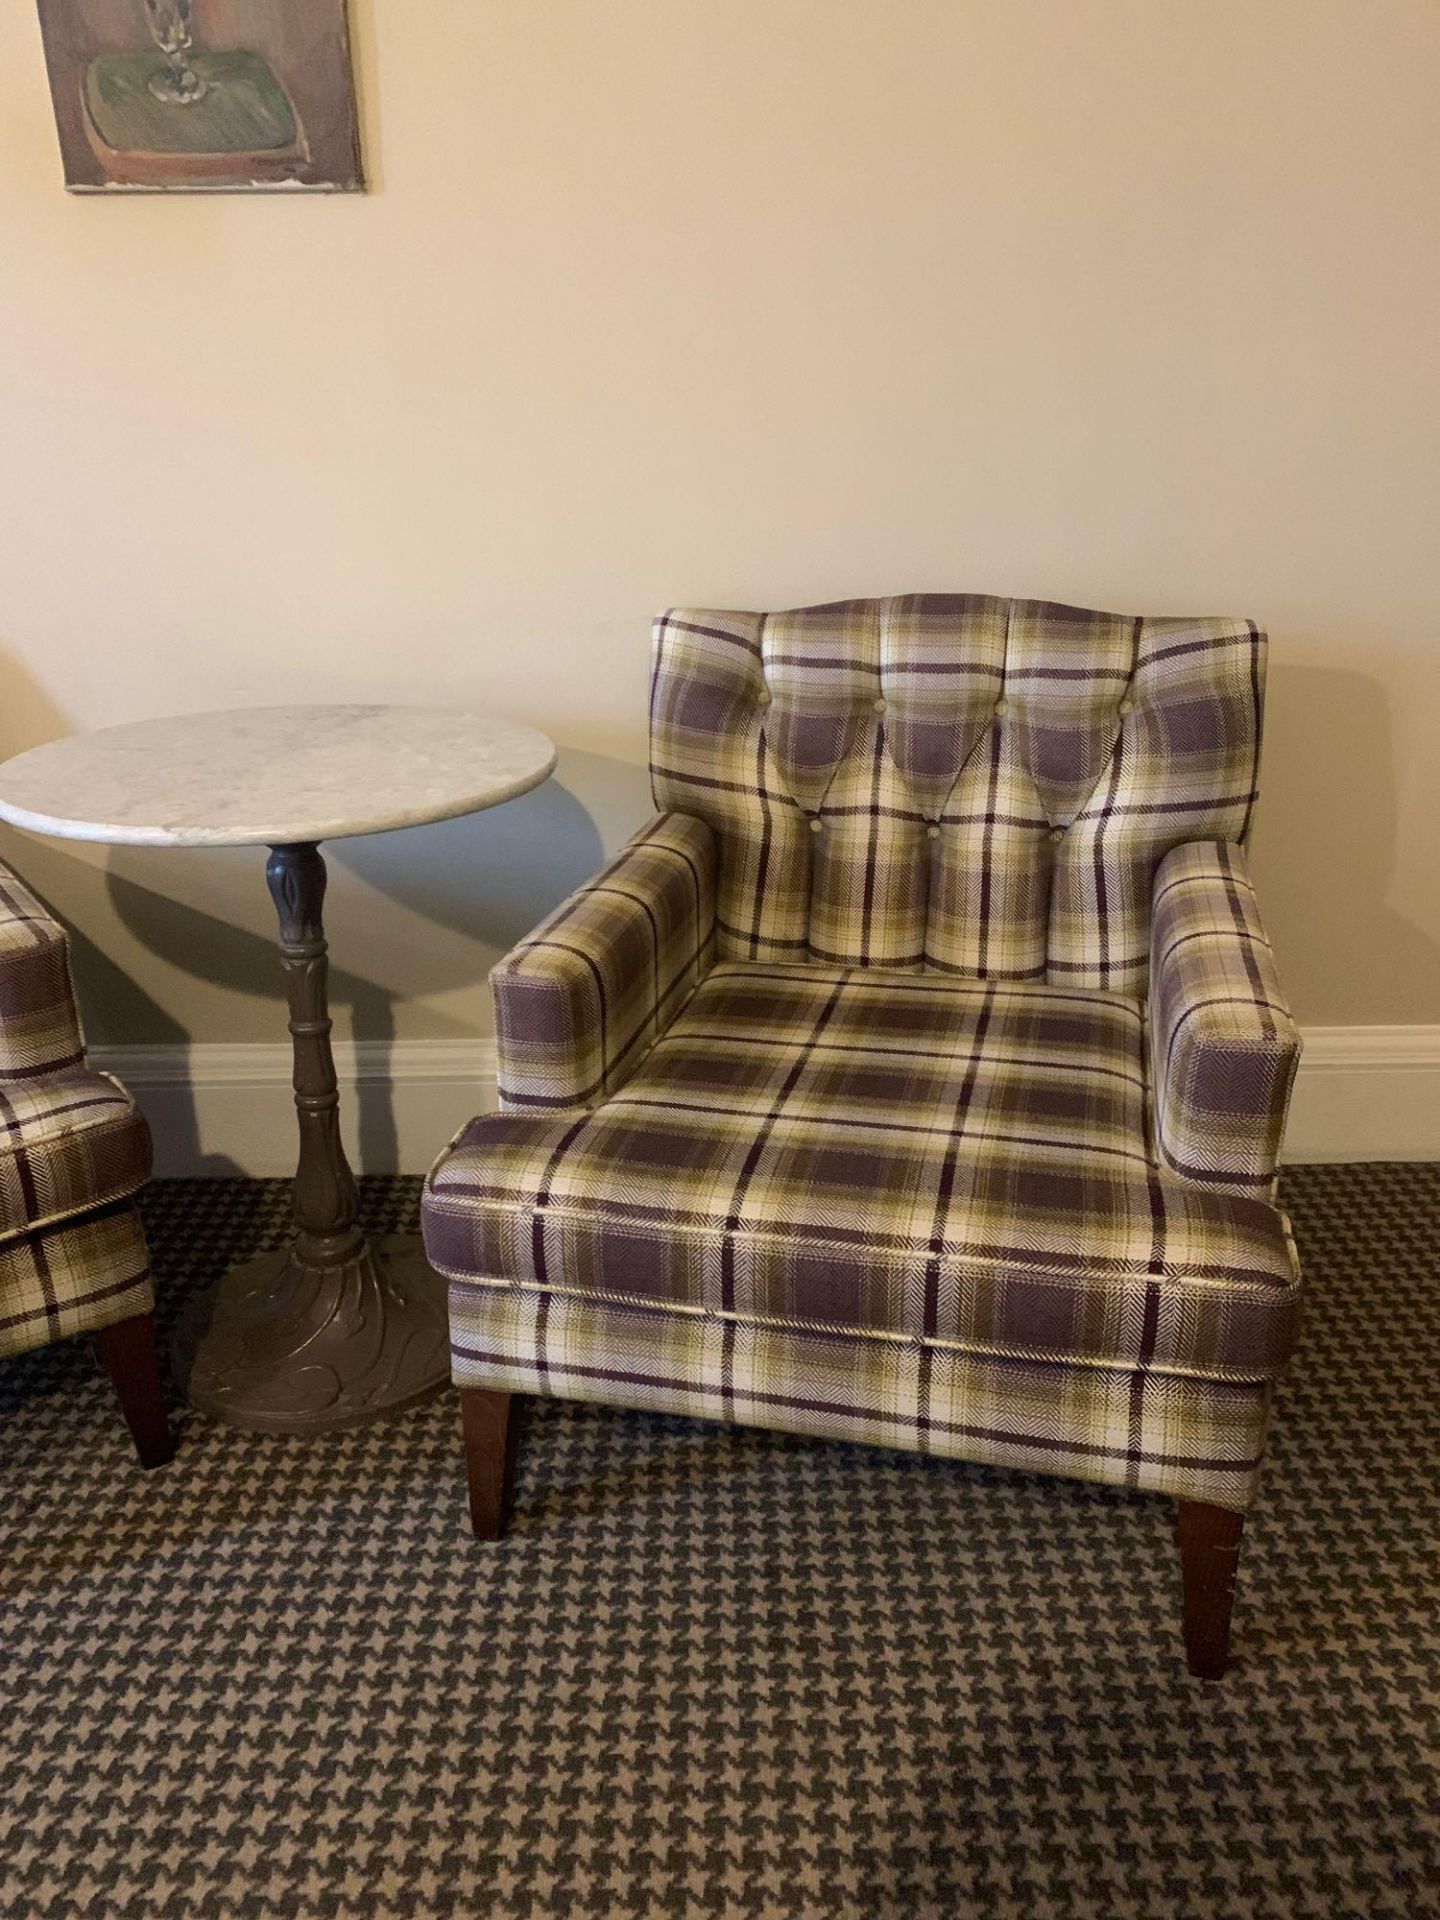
1363	1093
1366	1093
224	1107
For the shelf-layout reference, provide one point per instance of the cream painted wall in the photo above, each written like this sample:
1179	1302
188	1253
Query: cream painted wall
749	304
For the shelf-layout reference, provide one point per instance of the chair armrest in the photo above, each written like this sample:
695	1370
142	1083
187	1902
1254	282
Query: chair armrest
580	1001
1223	1048
39	1023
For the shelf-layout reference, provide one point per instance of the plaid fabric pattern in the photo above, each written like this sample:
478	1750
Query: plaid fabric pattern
1195	1439
39	1025
66	1145
73	1278
945	1160
1223	1046
953	782
71	1142
578	1003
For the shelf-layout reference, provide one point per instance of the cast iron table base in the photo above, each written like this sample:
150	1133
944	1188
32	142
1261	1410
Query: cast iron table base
336	1329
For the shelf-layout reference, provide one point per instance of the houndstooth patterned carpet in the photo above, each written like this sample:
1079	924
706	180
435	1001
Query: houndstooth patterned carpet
719	1672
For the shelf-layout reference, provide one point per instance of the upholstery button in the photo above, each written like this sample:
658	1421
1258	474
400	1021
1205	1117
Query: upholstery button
879	706
932	832
1057	833
816	823
1002	707
764	696
1127	706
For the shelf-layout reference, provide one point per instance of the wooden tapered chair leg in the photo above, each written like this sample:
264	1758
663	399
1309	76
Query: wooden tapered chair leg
133	1363
491	1425
1209	1540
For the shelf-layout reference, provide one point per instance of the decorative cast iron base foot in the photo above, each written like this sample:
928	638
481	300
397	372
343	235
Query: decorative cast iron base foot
281	1347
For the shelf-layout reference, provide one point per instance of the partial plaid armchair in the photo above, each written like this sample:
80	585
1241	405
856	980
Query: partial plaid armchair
74	1151
917	1076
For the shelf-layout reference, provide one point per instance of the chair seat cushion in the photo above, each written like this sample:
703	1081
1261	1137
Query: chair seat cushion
935	1159
68	1143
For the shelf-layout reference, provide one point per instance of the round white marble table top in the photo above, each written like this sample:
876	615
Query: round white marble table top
256	776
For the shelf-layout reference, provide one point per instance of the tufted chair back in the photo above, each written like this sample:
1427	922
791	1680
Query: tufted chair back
952	781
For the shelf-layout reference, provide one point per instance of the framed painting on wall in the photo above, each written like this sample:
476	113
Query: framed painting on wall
203	96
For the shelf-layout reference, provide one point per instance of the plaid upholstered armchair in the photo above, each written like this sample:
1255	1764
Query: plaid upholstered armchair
917	1075
75	1150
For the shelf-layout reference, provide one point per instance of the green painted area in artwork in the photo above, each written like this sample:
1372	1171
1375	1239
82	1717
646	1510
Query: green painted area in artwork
245	110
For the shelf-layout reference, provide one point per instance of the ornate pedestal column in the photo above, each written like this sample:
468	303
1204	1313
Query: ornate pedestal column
336	1329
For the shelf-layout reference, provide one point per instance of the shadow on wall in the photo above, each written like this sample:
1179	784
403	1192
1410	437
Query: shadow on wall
238	960
491	876
31	717
464	891
1325	850
475	885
